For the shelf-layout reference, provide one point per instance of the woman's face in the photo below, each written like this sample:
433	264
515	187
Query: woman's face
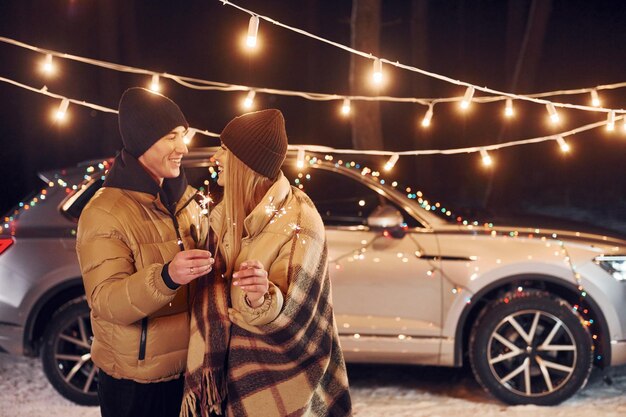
221	157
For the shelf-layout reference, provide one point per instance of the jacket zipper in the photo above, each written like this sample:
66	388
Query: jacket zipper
143	338
144	322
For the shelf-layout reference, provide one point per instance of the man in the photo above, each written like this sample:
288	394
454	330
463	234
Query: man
136	247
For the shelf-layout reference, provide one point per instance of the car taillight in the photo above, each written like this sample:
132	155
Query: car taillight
4	244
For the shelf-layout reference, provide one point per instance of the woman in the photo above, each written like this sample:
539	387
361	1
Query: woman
263	337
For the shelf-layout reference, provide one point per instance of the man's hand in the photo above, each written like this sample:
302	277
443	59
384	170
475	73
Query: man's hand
189	265
252	279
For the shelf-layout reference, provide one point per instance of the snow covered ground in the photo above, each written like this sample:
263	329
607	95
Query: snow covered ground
399	391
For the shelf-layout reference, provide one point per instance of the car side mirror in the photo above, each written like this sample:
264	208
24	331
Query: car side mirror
389	219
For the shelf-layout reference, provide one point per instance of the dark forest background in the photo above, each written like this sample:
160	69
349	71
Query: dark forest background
522	46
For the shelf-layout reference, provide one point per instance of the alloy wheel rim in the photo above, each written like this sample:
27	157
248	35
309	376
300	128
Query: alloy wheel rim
72	355
532	353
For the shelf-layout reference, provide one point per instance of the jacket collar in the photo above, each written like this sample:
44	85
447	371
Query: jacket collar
128	174
272	206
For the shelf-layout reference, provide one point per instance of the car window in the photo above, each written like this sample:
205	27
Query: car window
340	200
72	206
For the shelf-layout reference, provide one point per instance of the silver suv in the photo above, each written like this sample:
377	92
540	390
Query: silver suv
531	309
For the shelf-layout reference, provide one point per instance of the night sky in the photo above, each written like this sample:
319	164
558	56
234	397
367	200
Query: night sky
582	44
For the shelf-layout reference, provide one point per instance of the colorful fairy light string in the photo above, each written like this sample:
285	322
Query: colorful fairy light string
60	182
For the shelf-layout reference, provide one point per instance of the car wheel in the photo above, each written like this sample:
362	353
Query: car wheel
66	354
530	347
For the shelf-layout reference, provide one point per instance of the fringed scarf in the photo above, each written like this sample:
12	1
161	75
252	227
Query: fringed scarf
205	379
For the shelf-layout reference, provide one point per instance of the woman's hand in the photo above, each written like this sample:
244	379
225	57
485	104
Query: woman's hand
252	279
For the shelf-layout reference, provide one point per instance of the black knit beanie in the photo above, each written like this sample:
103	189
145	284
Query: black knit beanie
145	117
259	140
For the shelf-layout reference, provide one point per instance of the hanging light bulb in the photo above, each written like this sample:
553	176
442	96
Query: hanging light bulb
565	148
595	99
61	112
485	157
378	71
554	116
391	162
345	107
610	121
508	108
48	66
249	100
155	84
467	98
300	158
428	117
253	30
189	135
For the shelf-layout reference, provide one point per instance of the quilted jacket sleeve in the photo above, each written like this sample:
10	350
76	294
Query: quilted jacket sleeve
115	291
274	299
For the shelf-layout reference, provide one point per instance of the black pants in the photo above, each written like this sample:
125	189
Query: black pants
126	398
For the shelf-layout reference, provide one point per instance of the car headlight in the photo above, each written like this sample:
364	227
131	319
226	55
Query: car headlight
615	265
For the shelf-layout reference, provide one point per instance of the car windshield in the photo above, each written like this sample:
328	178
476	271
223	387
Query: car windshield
395	188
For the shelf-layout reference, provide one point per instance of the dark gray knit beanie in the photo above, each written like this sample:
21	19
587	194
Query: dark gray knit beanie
259	140
145	117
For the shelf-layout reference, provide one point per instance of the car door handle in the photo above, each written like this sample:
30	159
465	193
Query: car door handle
445	258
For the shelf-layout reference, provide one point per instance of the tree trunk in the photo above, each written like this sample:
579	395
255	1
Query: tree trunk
523	54
109	88
424	166
365	116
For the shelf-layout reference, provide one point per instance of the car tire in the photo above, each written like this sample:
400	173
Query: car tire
530	347
66	354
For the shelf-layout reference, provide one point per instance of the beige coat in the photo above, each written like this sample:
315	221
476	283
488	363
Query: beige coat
267	233
284	357
124	239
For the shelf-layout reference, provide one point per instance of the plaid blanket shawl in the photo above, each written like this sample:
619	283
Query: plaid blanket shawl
292	366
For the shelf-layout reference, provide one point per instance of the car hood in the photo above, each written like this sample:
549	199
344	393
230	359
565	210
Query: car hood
575	232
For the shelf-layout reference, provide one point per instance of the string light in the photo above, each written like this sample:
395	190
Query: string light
485	157
428	116
467	98
201	84
83	103
48	66
249	100
154	84
565	148
391	162
325	149
508	108
554	116
61	112
300	158
253	29
377	74
610	121
595	99
345	107
415	69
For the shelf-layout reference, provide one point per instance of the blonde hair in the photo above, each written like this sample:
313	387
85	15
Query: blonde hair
243	190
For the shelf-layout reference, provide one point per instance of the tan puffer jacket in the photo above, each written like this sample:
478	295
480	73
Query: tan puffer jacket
124	239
